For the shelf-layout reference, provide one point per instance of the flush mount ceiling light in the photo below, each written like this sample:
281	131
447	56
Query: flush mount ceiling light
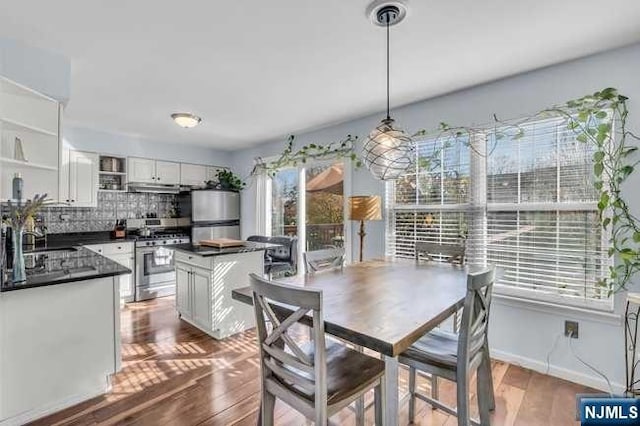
388	152
185	119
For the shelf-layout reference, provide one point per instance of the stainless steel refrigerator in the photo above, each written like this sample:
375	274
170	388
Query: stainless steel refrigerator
214	213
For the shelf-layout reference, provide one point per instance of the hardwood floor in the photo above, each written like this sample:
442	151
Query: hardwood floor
173	374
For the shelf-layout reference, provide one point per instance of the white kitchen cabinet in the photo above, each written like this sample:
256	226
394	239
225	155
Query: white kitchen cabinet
141	170
145	170
79	178
167	172
183	289
202	286
122	253
203	290
193	175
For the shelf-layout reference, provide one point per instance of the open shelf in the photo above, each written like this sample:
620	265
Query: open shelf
10	124
27	164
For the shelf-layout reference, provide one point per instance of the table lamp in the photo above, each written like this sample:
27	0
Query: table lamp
364	207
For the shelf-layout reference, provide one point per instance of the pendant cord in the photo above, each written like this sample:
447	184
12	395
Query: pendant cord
388	24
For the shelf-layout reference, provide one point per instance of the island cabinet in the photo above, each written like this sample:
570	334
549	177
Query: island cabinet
203	290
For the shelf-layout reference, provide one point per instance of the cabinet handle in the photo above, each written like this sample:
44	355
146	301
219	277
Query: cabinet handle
73	201
158	178
119	247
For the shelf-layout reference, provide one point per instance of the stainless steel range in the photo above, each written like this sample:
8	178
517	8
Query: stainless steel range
155	267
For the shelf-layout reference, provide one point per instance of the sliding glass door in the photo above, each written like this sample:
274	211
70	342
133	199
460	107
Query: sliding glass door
309	202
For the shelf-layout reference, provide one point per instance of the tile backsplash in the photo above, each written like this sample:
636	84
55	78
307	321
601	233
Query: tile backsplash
111	207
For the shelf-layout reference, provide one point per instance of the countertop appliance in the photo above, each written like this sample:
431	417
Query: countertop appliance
155	274
214	213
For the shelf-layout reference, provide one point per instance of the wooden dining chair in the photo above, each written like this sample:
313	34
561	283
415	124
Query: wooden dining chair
317	379
329	259
456	356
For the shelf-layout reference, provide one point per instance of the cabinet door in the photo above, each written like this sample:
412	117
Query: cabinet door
183	290
141	170
202	303
192	174
167	172
83	179
126	281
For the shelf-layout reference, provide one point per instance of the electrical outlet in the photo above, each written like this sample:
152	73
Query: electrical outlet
571	329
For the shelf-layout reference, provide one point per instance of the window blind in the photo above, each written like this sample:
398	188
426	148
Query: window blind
519	197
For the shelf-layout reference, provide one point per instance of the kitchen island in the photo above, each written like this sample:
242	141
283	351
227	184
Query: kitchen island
59	333
205	278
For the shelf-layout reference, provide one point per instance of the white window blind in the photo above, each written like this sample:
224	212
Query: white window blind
522	198
431	203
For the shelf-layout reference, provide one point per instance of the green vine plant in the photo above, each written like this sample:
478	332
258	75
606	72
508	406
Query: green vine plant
599	119
344	149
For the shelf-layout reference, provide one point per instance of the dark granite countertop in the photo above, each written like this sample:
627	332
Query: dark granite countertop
74	239
206	251
65	265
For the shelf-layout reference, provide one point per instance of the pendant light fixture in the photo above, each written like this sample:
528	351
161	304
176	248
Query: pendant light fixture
388	151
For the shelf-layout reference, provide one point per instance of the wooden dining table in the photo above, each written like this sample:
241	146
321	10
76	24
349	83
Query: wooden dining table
384	305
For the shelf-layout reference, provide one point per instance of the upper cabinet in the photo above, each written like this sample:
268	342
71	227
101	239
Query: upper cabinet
79	178
193	175
167	173
141	170
144	170
29	140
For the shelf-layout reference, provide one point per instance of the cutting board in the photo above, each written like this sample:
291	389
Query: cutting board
222	243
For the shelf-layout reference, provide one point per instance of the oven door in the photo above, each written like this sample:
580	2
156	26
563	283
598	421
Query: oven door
155	272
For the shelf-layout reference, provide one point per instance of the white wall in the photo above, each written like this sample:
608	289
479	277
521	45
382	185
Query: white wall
520	332
118	144
42	70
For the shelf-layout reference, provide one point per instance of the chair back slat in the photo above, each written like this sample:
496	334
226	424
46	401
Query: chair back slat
323	260
283	361
454	253
475	315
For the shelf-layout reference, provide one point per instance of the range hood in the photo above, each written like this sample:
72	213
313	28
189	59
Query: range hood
155	188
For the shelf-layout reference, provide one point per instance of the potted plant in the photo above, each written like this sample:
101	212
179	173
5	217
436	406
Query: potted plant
227	180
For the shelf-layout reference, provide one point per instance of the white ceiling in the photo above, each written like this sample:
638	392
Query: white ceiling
261	69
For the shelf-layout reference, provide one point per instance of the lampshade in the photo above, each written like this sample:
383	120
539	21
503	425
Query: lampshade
365	207
388	152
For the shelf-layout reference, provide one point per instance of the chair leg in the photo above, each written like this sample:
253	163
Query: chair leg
360	411
434	388
489	376
321	416
462	388
268	406
486	401
412	394
377	401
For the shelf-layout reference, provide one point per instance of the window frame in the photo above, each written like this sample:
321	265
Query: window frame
481	206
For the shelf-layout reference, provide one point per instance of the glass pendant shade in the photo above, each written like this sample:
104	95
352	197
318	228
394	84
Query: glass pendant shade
388	152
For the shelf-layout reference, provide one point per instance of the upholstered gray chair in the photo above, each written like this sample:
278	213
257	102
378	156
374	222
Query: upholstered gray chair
456	356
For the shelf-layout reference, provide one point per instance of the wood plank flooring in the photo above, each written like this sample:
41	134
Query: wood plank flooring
173	374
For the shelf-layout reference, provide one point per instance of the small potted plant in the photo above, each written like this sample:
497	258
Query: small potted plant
227	180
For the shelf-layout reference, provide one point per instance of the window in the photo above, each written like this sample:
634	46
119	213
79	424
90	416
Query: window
519	198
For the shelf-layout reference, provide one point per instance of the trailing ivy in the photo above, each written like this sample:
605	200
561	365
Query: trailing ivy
599	119
340	150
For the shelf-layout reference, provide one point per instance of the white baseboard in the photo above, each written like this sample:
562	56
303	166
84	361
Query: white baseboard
54	407
595	382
